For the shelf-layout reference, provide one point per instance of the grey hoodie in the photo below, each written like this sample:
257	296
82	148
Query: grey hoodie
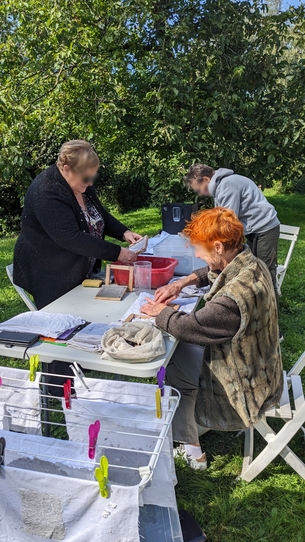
244	198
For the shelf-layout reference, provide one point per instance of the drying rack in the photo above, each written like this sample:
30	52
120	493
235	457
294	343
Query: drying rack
139	394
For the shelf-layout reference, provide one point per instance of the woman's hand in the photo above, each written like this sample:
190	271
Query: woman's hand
131	237
127	257
152	308
168	293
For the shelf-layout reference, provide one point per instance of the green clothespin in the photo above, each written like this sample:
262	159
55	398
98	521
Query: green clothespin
101	474
34	362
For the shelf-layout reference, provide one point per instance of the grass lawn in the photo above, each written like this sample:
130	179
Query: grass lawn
270	509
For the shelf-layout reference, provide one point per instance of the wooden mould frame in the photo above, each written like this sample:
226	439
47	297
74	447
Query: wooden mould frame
128	268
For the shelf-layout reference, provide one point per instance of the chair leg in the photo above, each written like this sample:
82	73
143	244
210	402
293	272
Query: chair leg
248	448
277	445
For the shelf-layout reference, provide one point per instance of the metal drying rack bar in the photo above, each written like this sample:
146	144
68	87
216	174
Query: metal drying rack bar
146	472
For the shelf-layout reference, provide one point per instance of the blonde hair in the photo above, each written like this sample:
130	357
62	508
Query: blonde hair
78	155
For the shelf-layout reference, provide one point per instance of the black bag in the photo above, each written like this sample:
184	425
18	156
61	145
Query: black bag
17	338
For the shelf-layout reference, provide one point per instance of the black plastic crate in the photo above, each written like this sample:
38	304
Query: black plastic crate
175	216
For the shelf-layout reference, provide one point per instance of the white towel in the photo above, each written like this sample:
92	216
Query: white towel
43	323
43	498
89	338
22	400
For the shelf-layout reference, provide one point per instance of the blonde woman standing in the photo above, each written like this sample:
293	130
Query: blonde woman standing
63	227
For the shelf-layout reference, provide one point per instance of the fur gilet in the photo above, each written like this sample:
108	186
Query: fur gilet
241	378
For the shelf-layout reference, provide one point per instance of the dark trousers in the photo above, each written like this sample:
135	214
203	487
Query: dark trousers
265	246
183	373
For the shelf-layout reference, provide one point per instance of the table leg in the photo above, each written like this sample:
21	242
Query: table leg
45	402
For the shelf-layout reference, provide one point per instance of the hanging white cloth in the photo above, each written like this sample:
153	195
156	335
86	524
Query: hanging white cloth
22	400
4	417
122	408
55	498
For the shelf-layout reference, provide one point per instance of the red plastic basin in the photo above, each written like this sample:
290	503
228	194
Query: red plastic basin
161	273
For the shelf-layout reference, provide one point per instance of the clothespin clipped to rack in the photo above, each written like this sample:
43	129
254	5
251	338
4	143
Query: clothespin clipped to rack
158	404
67	394
34	362
0	381
93	431
79	374
101	474
161	379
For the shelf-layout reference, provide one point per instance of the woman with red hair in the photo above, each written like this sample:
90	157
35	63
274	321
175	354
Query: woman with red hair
227	366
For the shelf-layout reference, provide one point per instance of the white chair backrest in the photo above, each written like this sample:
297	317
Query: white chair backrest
25	298
289	233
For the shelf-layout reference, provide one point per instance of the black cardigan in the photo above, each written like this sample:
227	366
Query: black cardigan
53	248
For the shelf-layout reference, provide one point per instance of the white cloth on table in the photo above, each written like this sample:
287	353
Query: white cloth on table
57	498
122	408
43	323
185	305
89	338
22	400
133	342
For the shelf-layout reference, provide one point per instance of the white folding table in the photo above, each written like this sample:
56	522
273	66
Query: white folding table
81	302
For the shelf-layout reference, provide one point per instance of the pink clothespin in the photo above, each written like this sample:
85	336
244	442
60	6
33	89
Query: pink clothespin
0	381
93	431
67	394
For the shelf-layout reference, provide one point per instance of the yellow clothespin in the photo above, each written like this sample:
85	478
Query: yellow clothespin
34	362
101	474
158	403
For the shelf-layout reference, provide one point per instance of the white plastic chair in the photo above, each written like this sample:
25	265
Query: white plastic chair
292	412
288	233
29	303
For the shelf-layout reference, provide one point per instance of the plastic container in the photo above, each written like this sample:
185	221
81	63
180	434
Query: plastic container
177	247
162	271
142	276
158	524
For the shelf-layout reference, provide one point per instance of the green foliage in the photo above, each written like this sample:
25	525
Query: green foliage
155	86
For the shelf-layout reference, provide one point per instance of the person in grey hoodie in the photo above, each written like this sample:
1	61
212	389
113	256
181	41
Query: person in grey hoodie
241	195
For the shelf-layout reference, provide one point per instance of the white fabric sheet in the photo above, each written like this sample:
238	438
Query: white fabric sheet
134	414
185	305
58	499
4	417
43	323
89	338
22	400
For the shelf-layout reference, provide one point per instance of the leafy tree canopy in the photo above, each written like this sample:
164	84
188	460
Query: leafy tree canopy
155	85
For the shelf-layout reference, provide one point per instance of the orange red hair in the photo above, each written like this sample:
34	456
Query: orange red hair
218	224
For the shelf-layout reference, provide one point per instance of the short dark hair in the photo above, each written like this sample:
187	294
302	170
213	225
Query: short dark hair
197	172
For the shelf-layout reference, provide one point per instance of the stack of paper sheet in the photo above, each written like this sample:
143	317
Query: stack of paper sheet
89	338
43	323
